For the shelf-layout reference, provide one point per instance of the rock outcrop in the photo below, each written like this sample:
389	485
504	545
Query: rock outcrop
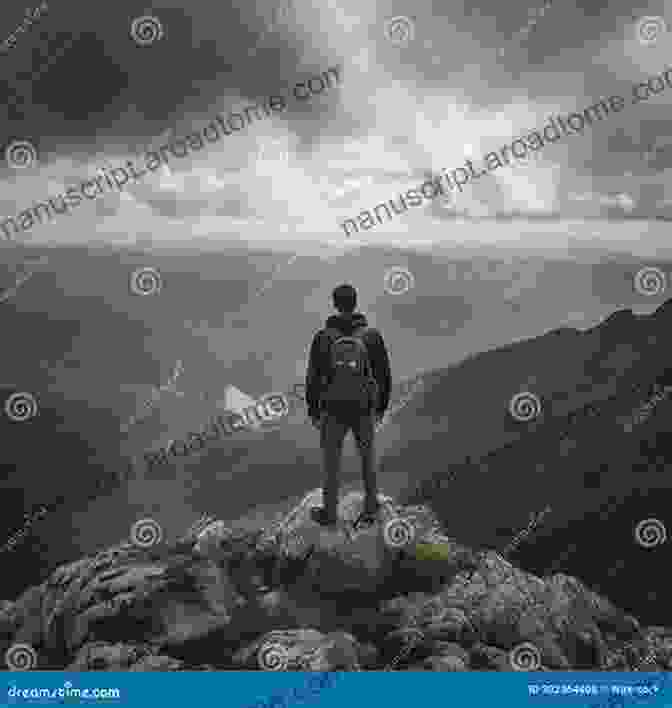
301	597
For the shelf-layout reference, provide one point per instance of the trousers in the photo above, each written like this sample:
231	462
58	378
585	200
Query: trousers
333	430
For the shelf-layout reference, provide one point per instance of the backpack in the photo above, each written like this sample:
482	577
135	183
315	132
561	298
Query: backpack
351	388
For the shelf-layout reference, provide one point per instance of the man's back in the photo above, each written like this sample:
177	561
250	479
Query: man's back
348	391
319	365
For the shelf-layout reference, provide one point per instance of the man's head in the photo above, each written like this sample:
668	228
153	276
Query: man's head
345	299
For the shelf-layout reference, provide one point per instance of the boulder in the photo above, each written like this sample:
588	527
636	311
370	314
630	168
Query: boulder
416	599
300	650
445	663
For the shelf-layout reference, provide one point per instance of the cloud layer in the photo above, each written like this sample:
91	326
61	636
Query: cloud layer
471	80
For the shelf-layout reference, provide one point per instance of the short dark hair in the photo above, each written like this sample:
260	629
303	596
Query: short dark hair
345	298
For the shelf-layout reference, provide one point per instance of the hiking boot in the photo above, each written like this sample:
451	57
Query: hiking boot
320	516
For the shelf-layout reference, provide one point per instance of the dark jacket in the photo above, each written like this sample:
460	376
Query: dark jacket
319	360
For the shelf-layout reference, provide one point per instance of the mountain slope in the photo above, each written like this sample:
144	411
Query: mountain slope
485	473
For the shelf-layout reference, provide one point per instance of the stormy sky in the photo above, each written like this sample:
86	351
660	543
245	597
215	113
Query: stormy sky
471	79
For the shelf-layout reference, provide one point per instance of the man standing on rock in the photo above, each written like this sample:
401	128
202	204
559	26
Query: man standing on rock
348	386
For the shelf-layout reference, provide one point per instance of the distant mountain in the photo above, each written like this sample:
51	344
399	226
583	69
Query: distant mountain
485	473
91	352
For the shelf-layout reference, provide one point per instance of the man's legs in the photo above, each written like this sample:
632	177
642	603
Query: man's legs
364	432
332	435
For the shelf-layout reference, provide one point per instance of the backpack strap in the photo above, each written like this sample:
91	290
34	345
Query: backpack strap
362	329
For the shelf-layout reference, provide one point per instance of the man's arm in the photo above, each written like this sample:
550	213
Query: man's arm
313	377
380	363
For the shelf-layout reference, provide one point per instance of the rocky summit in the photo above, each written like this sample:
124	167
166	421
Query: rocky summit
298	596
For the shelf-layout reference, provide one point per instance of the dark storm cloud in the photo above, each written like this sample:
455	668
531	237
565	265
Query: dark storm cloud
81	98
82	89
213	50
